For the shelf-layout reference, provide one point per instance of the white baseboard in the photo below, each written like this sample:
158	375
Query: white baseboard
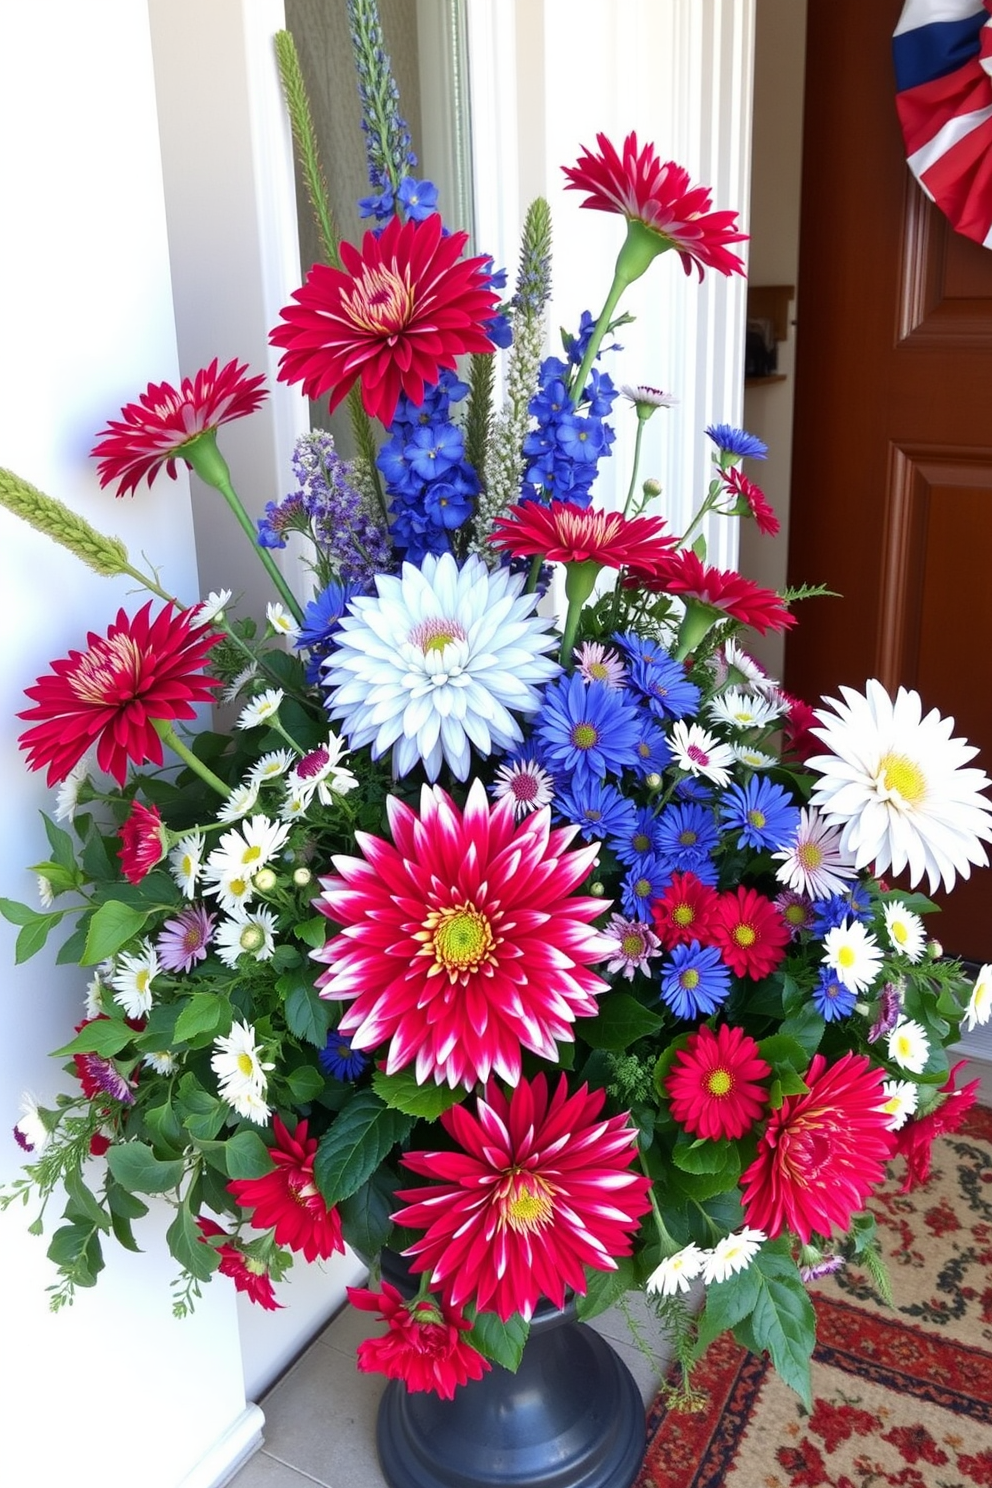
240	1440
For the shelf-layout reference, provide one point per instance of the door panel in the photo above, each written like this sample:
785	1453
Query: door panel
892	476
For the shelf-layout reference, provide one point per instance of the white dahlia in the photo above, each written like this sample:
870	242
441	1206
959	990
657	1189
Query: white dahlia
896	783
441	658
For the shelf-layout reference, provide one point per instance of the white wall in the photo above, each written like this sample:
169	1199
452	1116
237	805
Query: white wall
115	1387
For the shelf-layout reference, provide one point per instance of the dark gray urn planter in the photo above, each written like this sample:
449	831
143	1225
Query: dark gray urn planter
571	1417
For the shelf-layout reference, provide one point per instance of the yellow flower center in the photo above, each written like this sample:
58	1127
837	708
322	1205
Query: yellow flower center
810	856
381	301
460	938
719	1082
246	1064
689	980
251	855
899	775
745	935
526	1202
899	932
684	914
846	956
632	944
584	735
108	673
142	979
436	633
757	818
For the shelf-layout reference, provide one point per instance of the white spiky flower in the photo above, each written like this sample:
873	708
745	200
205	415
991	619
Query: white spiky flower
242	799
132	979
442	659
676	1273
815	863
281	621
896	782
242	1076
215	604
732	1254
701	753
901	1100
739	709
905	930
853	953
261	708
186	862
246	933
67	797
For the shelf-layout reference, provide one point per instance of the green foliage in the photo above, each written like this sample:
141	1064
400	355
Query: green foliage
501	1342
360	1139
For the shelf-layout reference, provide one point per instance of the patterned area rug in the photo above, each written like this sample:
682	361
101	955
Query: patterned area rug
902	1396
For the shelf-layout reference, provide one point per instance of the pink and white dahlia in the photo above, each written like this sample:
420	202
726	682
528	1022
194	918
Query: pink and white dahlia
462	940
539	1189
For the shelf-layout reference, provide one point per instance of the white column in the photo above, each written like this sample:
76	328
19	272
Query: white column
546	77
114	1387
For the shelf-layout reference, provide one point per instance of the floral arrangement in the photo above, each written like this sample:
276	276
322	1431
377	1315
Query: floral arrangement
556	959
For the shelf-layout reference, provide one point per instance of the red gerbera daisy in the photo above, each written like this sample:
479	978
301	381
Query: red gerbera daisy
563	533
750	932
721	593
288	1200
684	911
405	305
155	430
822	1153
915	1140
714	1084
540	1189
143	840
248	1275
142	671
462	939
750	500
661	197
423	1346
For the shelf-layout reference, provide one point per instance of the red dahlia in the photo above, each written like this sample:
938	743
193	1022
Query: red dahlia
722	592
142	671
822	1153
154	431
143	842
750	932
714	1084
751	500
915	1140
248	1275
540	1189
642	189
462	938
404	306
423	1347
288	1200
563	533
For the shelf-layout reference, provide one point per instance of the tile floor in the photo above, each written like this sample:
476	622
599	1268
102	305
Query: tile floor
320	1416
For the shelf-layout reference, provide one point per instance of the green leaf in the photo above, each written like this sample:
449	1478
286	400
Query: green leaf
18	913
352	1149
783	1320
312	932
704	1156
304	1083
32	937
111	927
70	952
63	848
247	1155
365	1215
307	1015
199	1259
137	1169
201	1017
97	862
605	1288
202	1114
164	1125
779	1050
127	1205
60	879
620	1022
106	1036
123	1233
805	1026
727	1303
501	1342
403	1092
84	1201
75	1249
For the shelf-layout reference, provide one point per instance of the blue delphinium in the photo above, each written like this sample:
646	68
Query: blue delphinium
432	487
586	729
831	998
597	808
571	434
761	811
736	442
339	1059
646	881
320	624
388	145
695	982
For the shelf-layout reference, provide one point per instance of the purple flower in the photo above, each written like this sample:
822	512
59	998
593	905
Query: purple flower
184	940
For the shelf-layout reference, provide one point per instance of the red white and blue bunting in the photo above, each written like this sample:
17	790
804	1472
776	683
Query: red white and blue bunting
943	60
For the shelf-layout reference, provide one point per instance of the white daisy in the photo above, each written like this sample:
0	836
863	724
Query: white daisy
161	1061
676	1272
96	989
815	863
980	1003
132	980
186	862
67	797
261	708
731	1254
242	799
238	684
905	930
441	659
46	896
853	953
237	1065
295	805
230	885
754	759
528	785
251	1105
909	1046
269	767
246	932
901	1100
30	1132
700	752
742	710
896	782
214	604
281	621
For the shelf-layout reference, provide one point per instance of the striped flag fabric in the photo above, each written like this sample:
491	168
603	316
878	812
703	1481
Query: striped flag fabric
942	51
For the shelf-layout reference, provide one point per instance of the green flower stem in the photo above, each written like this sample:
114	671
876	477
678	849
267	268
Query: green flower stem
637	461
535	573
617	288
580	580
168	736
706	506
208	462
668	1245
698	620
275	723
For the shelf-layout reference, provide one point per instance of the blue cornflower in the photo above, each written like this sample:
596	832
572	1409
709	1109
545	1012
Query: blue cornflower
695	982
691	788
653	753
763	812
419	198
687	835
638	839
320	623
586	728
646	881
339	1059
854	904
664	687
598	809
831	998
731	441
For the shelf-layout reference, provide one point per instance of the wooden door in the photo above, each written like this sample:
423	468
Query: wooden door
892	471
